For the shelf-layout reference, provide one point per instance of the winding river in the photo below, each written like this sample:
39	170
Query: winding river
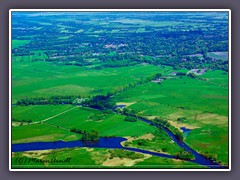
115	143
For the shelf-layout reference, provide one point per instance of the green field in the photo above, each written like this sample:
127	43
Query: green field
170	97
96	158
94	75
202	104
39	79
218	55
80	118
106	124
42	133
17	43
36	56
37	113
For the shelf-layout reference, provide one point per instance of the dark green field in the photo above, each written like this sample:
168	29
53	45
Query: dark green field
78	76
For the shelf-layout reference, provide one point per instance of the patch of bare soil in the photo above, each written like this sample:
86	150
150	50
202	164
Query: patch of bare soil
148	136
125	103
116	161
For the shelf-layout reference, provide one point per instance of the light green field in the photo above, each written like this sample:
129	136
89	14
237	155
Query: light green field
96	158
158	141
38	55
204	104
217	77
80	118
41	133
39	79
156	162
106	124
17	43
215	141
37	112
57	128
218	55
177	95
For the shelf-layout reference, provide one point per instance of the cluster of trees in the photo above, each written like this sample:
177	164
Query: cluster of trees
117	64
99	102
212	157
168	46
181	119
120	153
47	100
130	119
167	125
181	74
184	154
192	75
87	136
21	121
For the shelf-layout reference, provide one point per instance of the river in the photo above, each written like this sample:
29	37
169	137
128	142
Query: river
115	143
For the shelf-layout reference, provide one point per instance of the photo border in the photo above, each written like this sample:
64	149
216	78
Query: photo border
119	10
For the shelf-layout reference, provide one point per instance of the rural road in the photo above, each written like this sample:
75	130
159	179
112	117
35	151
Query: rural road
44	120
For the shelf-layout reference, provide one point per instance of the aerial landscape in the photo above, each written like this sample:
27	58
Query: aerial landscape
119	90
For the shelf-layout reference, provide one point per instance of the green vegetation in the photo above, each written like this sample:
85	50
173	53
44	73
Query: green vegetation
213	136
37	113
130	119
124	154
109	124
87	136
94	158
41	132
156	163
203	104
183	154
100	79
166	124
84	119
18	43
159	142
42	79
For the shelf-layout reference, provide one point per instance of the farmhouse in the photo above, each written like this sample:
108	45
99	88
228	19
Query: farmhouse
173	74
120	106
78	100
197	71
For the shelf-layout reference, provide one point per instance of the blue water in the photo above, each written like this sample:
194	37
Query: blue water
113	143
185	131
199	159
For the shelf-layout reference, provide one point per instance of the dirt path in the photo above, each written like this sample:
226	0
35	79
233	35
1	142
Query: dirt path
44	120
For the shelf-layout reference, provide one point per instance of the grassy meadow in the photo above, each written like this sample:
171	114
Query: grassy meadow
39	79
134	60
96	158
201	106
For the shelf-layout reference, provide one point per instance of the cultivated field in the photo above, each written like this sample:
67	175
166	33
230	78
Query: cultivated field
90	76
186	102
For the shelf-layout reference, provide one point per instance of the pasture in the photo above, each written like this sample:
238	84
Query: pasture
96	158
106	124
37	113
17	43
39	79
42	133
199	105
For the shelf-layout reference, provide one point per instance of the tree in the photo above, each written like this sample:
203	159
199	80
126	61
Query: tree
130	119
192	75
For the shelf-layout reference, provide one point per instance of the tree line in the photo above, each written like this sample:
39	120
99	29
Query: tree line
92	135
167	125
